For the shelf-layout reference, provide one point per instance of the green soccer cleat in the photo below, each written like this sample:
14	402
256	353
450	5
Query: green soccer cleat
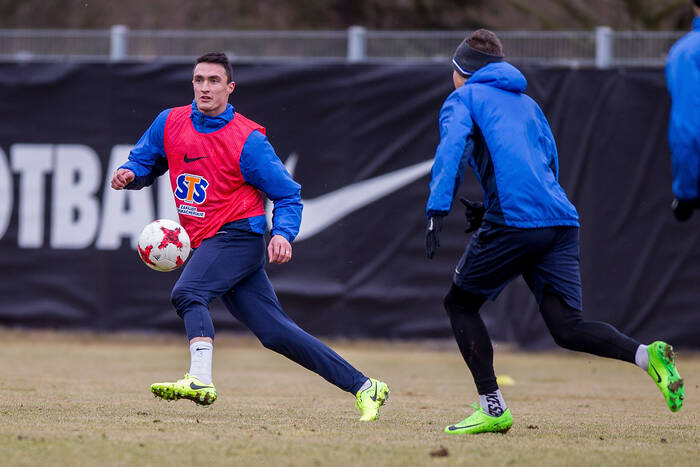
369	400
187	388
480	422
662	370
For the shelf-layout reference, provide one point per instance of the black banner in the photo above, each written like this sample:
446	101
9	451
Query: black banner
359	138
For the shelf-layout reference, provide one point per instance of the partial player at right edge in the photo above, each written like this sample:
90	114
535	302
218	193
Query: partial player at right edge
526	225
683	81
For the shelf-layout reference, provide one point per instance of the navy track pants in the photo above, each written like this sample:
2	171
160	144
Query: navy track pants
230	265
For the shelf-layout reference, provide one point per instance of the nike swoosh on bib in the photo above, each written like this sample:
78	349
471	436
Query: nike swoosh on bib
325	210
193	159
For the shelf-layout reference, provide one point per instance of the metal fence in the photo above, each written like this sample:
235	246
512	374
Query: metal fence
602	47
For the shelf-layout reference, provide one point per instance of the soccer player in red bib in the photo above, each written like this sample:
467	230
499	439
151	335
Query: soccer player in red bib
219	163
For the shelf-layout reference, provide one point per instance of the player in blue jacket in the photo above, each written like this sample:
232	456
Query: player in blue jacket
526	225
683	78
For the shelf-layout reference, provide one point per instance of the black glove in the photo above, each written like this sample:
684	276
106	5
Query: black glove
683	209
474	212
432	235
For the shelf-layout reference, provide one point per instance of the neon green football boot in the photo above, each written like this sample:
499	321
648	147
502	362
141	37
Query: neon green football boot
369	400
187	388
480	422
662	370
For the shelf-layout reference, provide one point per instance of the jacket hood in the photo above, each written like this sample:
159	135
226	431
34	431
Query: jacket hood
212	122
501	75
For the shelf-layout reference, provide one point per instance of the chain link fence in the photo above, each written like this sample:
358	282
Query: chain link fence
602	47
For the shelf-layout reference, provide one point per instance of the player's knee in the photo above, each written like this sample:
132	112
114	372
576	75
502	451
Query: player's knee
183	298
565	333
274	341
460	301
565	339
562	321
178	297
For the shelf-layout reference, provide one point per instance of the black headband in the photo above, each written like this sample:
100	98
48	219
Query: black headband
467	60
697	3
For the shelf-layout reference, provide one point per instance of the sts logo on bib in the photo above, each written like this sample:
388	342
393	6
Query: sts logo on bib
191	189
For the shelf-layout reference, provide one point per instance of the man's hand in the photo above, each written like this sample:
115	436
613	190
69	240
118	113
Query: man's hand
432	235
474	212
121	178
279	250
683	209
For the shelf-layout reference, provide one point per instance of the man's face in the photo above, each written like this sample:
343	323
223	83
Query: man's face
211	90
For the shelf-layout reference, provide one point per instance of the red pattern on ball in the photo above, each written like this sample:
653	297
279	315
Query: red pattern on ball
146	253
170	236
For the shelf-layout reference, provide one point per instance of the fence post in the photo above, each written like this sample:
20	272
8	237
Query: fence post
118	43
603	46
357	43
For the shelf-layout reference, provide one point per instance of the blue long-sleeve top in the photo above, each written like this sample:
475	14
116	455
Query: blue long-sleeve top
503	135
683	81
259	165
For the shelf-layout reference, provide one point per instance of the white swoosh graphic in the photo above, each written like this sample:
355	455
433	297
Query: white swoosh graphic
325	210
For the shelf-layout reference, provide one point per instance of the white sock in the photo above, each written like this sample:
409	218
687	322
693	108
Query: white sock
367	384
641	358
493	403
200	361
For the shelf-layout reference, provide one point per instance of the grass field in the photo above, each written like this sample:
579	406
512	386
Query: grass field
83	399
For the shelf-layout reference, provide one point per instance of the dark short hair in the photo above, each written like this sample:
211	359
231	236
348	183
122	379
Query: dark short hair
485	41
221	59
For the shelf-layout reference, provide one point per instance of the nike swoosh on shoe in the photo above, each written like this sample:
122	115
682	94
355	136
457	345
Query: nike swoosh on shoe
197	386
455	427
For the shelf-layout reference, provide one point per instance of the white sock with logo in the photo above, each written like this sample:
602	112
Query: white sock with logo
641	358
493	403
200	361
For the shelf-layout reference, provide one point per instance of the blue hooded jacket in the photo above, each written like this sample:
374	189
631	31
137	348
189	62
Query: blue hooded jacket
504	137
683	80
260	167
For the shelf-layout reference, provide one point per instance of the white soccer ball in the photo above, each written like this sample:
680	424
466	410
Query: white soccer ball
164	245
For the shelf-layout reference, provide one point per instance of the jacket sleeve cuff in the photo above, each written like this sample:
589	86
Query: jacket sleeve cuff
286	235
435	213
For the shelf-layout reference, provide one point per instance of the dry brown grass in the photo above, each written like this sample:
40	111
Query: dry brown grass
81	399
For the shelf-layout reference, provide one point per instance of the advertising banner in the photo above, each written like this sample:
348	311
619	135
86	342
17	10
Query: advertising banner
360	140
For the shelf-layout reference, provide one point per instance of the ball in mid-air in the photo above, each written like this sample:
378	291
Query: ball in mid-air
164	245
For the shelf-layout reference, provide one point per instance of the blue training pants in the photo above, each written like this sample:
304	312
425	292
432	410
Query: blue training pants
230	265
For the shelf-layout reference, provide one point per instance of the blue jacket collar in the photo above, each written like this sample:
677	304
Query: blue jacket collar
219	121
696	23
501	75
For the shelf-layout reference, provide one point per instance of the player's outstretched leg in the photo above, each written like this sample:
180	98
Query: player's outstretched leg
480	422
187	388
254	303
369	400
662	370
